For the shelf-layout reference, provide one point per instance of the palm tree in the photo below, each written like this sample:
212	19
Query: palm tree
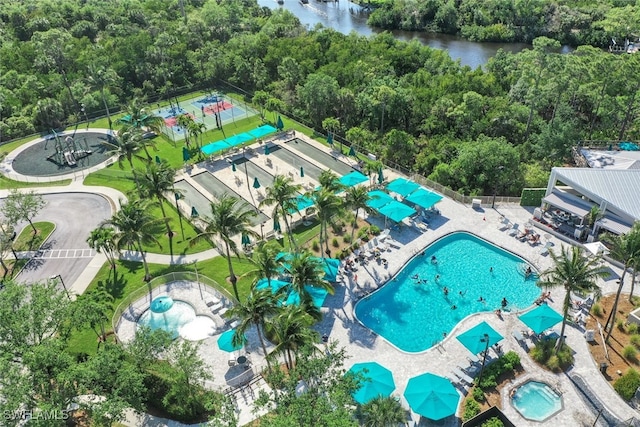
626	249
307	270
229	217
382	412
282	194
126	145
357	198
330	181
574	272
264	260
371	169
157	180
139	117
102	78
136	227
185	120
255	310
292	331
103	240
327	205
196	129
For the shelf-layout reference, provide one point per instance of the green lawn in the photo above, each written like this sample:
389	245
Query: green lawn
26	241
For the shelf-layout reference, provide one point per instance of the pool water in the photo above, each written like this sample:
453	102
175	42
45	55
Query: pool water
415	315
179	320
536	401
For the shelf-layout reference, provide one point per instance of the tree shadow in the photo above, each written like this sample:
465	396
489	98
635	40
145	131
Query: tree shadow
115	288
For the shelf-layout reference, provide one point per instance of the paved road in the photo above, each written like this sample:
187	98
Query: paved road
66	252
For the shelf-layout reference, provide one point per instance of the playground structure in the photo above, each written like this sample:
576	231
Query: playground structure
69	151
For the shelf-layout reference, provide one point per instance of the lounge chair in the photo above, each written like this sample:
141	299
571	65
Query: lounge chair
545	249
211	300
504	224
216	307
518	336
514	229
464	377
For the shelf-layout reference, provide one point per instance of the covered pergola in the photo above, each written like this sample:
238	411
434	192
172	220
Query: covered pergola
613	191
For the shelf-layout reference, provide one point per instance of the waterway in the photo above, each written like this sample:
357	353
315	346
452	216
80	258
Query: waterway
345	17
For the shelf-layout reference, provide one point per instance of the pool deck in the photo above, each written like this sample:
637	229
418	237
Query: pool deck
362	345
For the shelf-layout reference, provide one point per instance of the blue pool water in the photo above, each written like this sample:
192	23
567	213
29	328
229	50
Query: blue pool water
414	316
536	401
171	320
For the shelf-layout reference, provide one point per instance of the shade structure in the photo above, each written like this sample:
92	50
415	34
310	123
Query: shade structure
262	131
475	339
225	341
353	178
318	295
352	151
330	266
214	147
432	396
267	150
239	139
276	225
194	212
380	176
330	139
245	239
378	199
302	202
541	318
377	381
256	183
275	284
402	186
185	154
396	211
279	123
233	166
301	172
596	248
424	198
158	161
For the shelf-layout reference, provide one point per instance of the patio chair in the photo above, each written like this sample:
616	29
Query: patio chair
211	300
545	249
384	234
514	229
504	224
216	307
464	377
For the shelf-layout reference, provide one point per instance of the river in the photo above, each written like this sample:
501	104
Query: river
343	16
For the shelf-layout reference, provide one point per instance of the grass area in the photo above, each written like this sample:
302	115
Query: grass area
27	241
130	278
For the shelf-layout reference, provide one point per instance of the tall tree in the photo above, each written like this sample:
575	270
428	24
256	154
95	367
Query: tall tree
22	206
94	309
292	331
264	261
574	272
282	194
103	240
356	199
138	116
126	146
156	181
229	217
327	205
136	227
101	79
306	270
382	412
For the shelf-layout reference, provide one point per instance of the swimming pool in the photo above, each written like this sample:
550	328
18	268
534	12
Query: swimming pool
536	401
414	314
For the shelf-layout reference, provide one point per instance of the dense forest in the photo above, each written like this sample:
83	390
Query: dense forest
576	23
411	105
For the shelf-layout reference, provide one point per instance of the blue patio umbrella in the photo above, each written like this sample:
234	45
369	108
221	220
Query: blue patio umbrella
225	341
541	318
330	139
262	131
380	176
185	154
317	295
214	147
475	339
302	202
432	396
256	183
352	178
330	267
352	151
279	123
194	212
233	166
402	186
424	198
378	199
301	171
158	161
376	381
396	211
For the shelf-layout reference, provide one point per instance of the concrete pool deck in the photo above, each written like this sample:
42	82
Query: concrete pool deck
362	345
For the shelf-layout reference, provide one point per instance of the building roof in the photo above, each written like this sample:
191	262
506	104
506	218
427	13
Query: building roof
620	188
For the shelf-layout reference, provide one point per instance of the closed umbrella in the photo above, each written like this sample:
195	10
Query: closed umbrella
330	139
185	154
267	151
380	176
541	319
279	123
376	381
225	341
256	183
194	212
233	166
301	171
479	338
432	396
352	151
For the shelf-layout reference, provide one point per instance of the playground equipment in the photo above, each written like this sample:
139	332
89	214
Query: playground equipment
68	152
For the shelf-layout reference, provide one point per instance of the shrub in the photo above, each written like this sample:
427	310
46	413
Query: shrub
363	232
620	325
315	246
596	310
492	422
335	242
346	238
374	229
635	340
471	409
478	394
627	384
632	328
506	363
630	353
544	353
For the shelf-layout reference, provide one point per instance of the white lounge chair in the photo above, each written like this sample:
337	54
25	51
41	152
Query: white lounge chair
504	224
514	229
545	249
211	300
216	307
464	377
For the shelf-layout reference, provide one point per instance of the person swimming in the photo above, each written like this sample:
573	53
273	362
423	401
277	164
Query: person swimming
415	276
434	260
504	302
453	307
481	299
437	278
446	291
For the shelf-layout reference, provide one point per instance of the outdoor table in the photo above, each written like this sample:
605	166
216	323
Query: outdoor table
242	360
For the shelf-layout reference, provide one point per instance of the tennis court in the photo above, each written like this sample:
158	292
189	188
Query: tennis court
213	110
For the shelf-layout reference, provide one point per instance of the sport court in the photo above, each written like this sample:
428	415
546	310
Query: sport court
213	110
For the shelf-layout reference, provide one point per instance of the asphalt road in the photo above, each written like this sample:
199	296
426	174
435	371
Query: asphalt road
66	251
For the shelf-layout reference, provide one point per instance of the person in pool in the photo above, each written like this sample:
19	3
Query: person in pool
434	260
446	291
504	302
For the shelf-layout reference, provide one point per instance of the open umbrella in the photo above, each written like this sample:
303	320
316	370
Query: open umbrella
479	338
256	183
330	139
158	161
279	123
596	248
185	154
225	341
541	318
194	212
377	381
380	176
352	151
432	396
233	166
301	171
245	239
